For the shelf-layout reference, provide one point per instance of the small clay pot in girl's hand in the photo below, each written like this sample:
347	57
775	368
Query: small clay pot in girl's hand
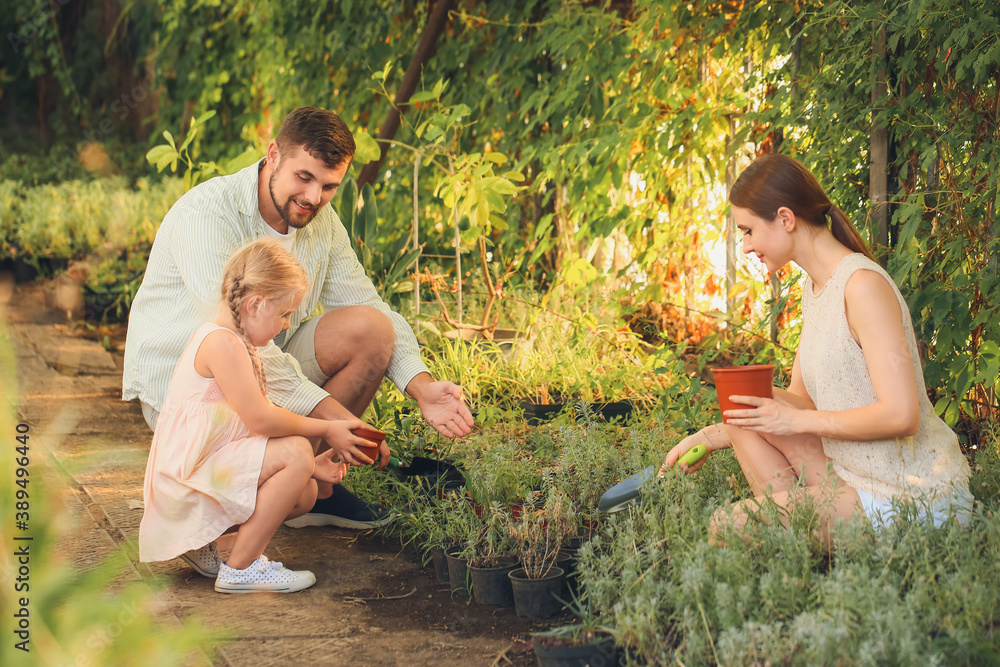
374	435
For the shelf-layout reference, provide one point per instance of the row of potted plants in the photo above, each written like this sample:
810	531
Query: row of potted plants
517	555
98	231
510	532
552	364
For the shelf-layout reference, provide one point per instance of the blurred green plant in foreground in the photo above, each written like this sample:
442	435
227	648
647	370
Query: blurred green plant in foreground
54	613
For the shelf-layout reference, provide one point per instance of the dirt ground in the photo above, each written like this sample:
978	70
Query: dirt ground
373	603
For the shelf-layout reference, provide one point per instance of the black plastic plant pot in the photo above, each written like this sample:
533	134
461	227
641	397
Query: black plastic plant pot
566	560
22	271
619	410
431	474
491	585
538	598
499	346
558	652
458	571
440	565
536	414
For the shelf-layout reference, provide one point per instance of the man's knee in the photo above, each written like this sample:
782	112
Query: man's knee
374	328
365	330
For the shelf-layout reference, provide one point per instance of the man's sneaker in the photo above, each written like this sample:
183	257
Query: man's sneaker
263	576
344	510
204	560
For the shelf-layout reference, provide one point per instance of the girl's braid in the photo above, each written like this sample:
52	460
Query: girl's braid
234	301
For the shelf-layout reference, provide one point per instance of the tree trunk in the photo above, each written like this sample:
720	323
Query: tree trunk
435	24
878	179
43	134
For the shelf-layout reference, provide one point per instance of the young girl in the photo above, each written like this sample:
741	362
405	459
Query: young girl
223	455
857	395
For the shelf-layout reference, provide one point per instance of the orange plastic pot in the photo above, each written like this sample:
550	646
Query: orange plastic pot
374	435
755	380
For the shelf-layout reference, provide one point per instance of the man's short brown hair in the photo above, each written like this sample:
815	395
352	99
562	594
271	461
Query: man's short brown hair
320	133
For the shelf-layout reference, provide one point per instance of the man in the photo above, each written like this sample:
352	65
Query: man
328	366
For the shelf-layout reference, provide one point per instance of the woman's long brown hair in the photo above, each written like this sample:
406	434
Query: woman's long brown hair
774	180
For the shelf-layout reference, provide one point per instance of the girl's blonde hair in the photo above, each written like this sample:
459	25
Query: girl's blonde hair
260	268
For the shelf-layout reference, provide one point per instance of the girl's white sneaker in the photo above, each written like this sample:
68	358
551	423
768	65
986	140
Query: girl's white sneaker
205	560
262	576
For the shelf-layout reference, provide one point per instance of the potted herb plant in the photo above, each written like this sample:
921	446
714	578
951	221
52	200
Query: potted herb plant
538	534
501	469
427	530
576	644
588	641
491	558
460	526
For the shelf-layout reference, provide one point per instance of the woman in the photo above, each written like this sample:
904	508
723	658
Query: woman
857	397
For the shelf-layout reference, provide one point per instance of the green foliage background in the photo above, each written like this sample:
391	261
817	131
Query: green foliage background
624	117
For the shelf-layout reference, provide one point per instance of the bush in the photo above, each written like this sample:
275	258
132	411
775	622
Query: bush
911	594
75	219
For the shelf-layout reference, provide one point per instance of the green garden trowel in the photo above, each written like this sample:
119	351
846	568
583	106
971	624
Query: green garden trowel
625	492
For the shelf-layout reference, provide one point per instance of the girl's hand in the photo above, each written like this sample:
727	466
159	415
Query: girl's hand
685	445
767	416
344	442
328	470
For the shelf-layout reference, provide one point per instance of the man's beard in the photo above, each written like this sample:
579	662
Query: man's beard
285	211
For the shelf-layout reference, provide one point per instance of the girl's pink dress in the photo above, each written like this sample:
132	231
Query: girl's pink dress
204	464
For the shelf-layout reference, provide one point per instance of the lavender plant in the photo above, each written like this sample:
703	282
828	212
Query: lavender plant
541	528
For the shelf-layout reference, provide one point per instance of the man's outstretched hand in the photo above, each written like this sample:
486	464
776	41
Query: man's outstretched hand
442	406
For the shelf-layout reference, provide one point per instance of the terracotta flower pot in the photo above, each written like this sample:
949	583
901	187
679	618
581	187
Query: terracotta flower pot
742	381
374	435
